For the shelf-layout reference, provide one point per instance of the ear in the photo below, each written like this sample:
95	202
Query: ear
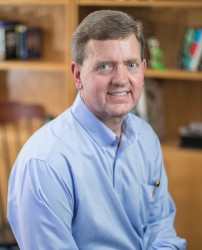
76	71
144	65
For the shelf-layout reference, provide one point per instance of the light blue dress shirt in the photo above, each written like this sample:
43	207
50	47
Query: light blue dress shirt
71	188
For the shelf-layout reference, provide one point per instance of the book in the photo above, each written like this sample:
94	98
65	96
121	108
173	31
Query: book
7	39
29	42
187	40
195	52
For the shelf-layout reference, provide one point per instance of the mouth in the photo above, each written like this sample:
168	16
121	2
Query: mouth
118	93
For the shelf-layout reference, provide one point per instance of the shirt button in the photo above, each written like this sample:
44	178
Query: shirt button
104	149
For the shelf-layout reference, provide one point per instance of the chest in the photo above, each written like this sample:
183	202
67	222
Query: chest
110	181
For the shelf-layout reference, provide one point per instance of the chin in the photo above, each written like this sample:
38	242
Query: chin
123	110
120	113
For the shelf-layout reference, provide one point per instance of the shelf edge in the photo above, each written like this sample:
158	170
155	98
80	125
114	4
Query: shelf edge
33	2
176	74
143	3
36	65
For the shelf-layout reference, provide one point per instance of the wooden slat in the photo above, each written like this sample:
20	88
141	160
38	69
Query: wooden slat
4	161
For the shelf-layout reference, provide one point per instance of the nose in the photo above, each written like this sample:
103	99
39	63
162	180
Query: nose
120	76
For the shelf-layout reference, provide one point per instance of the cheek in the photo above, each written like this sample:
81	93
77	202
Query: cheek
93	88
137	82
137	86
100	84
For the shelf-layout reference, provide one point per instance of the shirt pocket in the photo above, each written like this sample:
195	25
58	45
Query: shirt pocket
150	203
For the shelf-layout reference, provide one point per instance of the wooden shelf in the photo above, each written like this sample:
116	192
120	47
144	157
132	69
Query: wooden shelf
176	74
43	65
143	3
33	2
34	65
173	145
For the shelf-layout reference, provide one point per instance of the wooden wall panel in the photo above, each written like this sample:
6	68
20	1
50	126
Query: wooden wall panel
184	170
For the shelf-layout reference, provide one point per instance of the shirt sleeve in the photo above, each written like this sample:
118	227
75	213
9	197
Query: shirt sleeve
40	208
160	232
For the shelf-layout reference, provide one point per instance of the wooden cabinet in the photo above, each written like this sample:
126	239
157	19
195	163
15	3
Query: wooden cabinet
46	81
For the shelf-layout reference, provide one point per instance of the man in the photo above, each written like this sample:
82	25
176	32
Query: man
93	178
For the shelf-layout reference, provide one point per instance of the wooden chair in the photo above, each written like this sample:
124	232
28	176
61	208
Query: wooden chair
17	123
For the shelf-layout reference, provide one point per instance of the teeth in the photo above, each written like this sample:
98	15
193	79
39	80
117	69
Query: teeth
119	94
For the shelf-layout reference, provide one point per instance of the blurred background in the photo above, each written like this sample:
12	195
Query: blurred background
36	85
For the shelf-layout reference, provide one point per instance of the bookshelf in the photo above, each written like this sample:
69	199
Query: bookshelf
58	18
169	28
46	81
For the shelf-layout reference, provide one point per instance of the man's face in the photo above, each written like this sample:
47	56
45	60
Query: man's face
111	77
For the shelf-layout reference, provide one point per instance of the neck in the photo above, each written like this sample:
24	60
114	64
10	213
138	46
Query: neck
115	124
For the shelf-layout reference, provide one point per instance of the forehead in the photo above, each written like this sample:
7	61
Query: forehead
113	49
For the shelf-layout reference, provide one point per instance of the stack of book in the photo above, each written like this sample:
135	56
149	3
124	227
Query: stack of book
7	39
18	41
191	51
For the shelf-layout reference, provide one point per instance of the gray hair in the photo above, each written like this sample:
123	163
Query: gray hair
103	25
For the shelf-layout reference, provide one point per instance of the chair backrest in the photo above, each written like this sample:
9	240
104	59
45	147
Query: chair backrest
13	111
17	123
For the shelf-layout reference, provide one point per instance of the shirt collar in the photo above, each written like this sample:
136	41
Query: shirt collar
97	130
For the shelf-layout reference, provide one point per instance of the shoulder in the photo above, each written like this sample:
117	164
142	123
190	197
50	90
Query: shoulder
43	155
49	141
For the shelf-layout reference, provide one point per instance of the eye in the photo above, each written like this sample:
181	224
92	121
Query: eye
132	65
104	66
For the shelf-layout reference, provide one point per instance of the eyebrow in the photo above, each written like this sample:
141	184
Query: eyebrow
114	62
133	60
102	62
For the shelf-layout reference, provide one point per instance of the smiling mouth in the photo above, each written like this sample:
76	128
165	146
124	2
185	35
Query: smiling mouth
118	94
